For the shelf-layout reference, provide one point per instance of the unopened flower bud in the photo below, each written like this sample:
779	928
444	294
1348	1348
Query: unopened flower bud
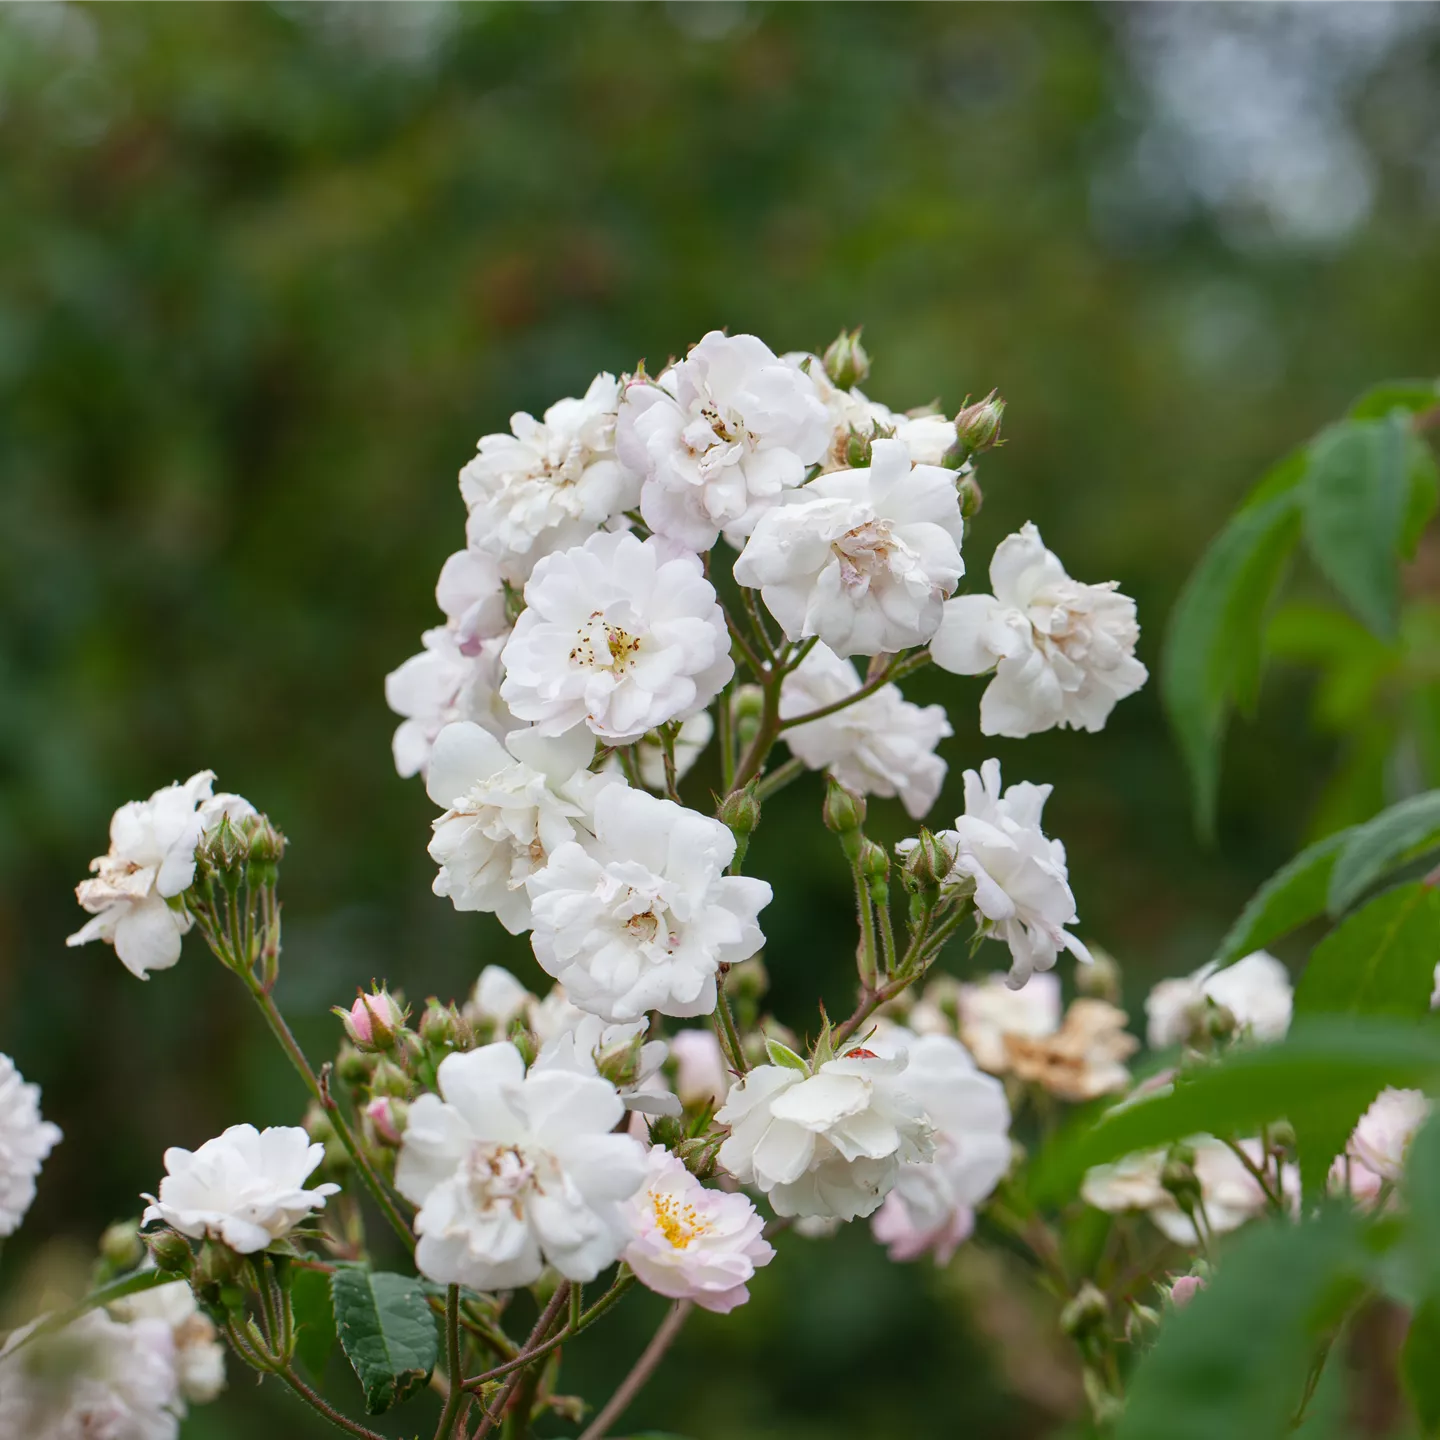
1218	1023
120	1246
740	811
1281	1135
977	429
1178	1177
748	708
1184	1290
927	862
859	448
373	1021
216	1264
441	1025
267	844
171	1252
525	1041
388	1078
1100	979
667	1130
389	1116
845	360
971	497
620	1064
353	1067
1086	1312
222	850
844	814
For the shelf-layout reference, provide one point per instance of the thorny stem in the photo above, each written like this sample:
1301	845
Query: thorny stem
451	1413
643	1369
892	672
334	1416
535	1351
757	620
730	1032
667	751
865	916
1258	1175
724	722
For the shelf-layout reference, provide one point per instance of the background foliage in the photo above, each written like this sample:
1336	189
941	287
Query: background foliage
266	272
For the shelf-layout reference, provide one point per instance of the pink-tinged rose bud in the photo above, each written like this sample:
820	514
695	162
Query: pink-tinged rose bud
373	1021
389	1117
1184	1290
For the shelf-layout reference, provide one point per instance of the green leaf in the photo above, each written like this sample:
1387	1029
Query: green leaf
314	1320
1325	1063
1355	502
1213	649
1423	495
1375	848
1420	1366
388	1332
783	1055
1412	397
107	1294
1379	961
1293	895
1234	1362
1420	1359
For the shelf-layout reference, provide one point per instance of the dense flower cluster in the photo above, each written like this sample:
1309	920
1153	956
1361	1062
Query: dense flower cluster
600	647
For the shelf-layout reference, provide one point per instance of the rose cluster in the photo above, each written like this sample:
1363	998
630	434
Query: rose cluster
737	556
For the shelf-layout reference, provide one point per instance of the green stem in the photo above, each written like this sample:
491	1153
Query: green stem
892	672
454	1370
865	916
291	1047
724	730
343	1422
779	778
727	1022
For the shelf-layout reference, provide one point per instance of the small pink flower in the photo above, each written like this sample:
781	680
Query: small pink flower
692	1243
893	1226
1184	1290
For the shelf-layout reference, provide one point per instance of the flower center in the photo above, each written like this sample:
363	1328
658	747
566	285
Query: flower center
601	645
498	1175
644	927
678	1222
728	428
866	552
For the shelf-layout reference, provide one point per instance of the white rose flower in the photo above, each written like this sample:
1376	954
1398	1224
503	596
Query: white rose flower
508	808
992	1010
550	484
497	999
932	1206
151	860
1229	1192
720	437
245	1187
1381	1140
1021	885
1063	652
862	558
618	634
95	1379
642	921
513	1171
881	745
25	1143
1255	990
437	687
573	1038
471	594
828	1144
199	1355
691	1243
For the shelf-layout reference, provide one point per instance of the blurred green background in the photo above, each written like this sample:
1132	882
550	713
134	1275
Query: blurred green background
268	271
